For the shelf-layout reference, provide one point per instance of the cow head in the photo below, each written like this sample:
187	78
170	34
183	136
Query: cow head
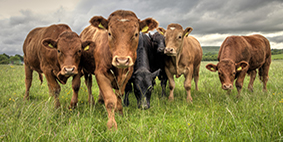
158	41
228	71
174	36
143	85
69	50
123	29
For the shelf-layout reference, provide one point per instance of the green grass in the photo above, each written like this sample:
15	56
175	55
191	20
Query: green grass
210	49
213	115
277	57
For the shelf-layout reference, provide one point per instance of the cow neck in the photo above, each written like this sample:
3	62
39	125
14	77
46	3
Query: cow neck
175	59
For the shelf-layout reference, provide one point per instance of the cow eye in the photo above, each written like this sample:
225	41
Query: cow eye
136	35
79	51
180	37
58	51
109	34
234	73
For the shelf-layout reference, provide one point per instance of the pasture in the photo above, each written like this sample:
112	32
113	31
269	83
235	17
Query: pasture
213	115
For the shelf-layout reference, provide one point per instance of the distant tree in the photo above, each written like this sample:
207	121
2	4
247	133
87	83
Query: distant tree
21	57
15	60
6	55
4	59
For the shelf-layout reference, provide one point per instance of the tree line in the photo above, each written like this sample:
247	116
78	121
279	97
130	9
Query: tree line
6	59
18	59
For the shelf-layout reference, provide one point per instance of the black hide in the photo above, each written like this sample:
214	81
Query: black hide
149	65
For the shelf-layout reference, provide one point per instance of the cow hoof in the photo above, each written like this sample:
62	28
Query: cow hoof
112	125
189	100
26	98
171	98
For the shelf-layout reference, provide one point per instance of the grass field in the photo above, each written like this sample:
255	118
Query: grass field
277	57
213	115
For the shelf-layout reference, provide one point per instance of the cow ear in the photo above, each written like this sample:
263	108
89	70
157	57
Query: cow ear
243	65
155	74
49	43
87	45
99	22
148	24
187	31
161	30
211	67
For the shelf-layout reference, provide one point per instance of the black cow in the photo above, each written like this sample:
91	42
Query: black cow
148	66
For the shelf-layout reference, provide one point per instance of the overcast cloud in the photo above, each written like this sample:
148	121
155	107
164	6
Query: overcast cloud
212	21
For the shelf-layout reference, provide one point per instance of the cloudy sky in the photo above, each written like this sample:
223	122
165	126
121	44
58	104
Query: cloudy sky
212	20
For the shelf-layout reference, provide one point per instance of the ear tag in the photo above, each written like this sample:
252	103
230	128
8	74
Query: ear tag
145	29
86	48
161	32
50	45
239	68
212	69
187	34
100	26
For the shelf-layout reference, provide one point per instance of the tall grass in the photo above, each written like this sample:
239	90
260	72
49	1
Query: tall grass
213	115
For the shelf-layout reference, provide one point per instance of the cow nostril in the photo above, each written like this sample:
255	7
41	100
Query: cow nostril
123	60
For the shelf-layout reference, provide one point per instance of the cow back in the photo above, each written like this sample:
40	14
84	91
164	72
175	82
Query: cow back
192	52
254	49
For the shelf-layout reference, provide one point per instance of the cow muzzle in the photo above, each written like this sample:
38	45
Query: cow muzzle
122	62
69	70
144	104
227	86
170	52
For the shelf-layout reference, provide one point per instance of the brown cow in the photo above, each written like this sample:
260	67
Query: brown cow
239	55
184	55
54	51
116	41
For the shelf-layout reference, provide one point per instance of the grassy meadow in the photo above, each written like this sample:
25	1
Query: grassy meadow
213	115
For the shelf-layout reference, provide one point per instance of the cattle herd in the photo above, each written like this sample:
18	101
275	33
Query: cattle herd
120	55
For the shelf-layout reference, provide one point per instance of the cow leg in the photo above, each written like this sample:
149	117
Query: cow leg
163	85
196	76
171	84
54	88
187	84
252	79
119	104
88	82
28	81
263	72
100	97
239	82
109	97
76	83
128	89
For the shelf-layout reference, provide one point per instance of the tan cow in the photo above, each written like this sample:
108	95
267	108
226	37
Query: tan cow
239	55
54	51
116	40
184	55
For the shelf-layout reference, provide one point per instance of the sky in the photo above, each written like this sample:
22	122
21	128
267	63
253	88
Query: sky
212	20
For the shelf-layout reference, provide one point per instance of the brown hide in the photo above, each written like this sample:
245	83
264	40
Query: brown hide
116	41
239	55
54	51
184	55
